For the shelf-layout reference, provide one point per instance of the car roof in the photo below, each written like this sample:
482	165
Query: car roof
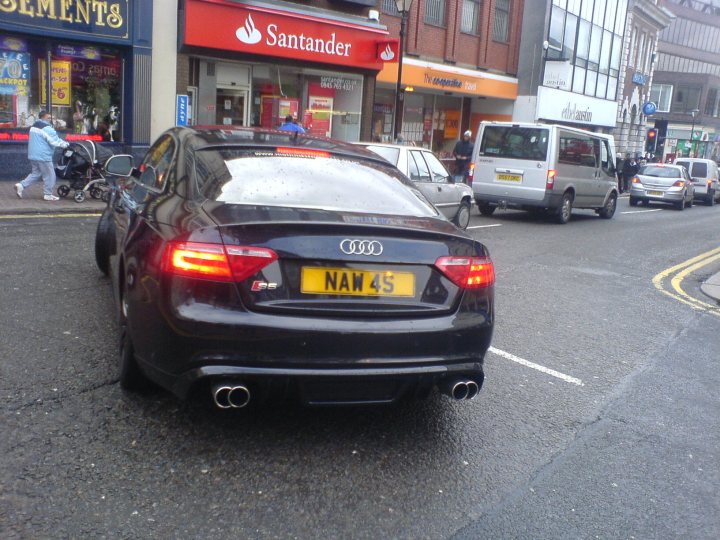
390	145
664	165
234	136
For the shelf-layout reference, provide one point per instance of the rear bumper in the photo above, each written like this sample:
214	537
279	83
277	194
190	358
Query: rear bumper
642	194
550	201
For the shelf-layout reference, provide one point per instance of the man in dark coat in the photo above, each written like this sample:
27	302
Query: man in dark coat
630	169
463	154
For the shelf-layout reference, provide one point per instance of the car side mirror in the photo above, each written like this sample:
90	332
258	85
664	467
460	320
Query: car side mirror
120	165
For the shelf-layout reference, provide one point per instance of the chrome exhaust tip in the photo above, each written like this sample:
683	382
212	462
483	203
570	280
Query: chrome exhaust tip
238	397
473	389
459	390
221	396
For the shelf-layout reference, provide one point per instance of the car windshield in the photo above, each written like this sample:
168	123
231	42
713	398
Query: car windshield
305	178
390	154
515	142
660	172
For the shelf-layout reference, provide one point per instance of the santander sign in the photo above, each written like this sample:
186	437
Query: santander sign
273	32
250	35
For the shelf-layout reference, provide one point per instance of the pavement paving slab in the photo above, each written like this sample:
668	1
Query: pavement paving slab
32	201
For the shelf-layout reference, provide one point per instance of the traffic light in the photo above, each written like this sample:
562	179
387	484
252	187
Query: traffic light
651	140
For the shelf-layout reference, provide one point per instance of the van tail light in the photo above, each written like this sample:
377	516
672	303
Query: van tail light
214	261
471	174
679	183
550	182
468	272
709	183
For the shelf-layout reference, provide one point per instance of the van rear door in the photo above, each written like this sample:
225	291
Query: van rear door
512	161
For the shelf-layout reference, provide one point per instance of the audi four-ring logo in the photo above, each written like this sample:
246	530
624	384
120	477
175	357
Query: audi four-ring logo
361	247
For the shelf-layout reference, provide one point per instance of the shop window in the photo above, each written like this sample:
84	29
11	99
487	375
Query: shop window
85	88
435	12
502	20
389	7
686	99
470	16
711	103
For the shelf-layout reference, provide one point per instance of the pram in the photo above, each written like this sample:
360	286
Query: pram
82	165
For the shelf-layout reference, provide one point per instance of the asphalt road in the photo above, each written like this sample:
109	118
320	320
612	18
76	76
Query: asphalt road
599	416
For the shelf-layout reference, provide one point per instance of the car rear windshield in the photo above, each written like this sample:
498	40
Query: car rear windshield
305	178
659	172
390	154
515	142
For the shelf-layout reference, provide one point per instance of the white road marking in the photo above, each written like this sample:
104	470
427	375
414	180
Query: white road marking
533	365
642	211
485	226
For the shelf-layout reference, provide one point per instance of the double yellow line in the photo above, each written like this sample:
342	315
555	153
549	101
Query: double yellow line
683	269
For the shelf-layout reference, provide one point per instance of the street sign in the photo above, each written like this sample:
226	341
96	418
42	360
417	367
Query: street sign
649	108
181	110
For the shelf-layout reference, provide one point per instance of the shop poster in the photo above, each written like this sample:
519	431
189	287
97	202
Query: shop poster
60	81
14	73
321	109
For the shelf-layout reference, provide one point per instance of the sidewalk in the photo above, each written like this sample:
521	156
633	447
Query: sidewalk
33	203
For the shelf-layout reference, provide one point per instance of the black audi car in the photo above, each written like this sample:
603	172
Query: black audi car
256	264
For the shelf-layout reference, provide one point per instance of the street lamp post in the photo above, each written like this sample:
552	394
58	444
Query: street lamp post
694	113
403	7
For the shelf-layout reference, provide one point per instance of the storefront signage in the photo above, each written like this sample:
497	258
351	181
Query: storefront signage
422	74
14	73
181	110
59	81
106	18
557	75
649	108
574	108
388	51
224	25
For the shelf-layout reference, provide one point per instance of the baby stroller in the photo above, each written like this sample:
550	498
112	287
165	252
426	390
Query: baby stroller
81	164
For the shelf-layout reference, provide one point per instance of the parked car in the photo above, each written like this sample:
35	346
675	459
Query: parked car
252	264
544	167
704	176
452	197
658	182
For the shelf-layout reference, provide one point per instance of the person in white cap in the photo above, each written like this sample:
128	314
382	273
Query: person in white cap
463	154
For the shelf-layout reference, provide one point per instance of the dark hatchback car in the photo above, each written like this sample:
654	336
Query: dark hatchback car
255	265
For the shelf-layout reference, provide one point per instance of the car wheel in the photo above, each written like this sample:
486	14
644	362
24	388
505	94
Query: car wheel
608	211
104	239
486	209
565	210
680	205
633	201
462	218
131	377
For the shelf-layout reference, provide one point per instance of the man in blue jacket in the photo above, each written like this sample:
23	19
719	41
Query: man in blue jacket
291	125
43	141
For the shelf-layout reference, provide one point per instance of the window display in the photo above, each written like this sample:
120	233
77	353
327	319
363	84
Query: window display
85	84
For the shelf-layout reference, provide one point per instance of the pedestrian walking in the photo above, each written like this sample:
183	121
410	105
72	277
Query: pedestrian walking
463	154
43	141
291	125
630	169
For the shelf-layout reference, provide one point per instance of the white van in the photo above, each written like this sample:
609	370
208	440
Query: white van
704	174
543	167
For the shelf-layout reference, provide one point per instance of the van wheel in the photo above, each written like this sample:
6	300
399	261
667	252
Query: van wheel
486	209
462	218
565	210
608	211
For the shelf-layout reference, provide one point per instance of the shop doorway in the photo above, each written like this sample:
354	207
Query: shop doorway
231	107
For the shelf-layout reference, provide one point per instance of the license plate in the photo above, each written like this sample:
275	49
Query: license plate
655	193
356	282
508	177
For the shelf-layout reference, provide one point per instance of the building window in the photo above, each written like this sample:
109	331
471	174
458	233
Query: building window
712	102
502	20
389	7
470	16
686	99
661	95
435	12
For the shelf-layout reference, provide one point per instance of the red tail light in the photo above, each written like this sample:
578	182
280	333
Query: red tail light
214	261
679	183
635	180
709	183
468	272
301	152
550	182
471	174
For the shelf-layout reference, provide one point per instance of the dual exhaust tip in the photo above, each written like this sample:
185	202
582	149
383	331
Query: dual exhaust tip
460	389
230	397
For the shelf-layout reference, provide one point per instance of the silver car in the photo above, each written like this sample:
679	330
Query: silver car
659	182
453	199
